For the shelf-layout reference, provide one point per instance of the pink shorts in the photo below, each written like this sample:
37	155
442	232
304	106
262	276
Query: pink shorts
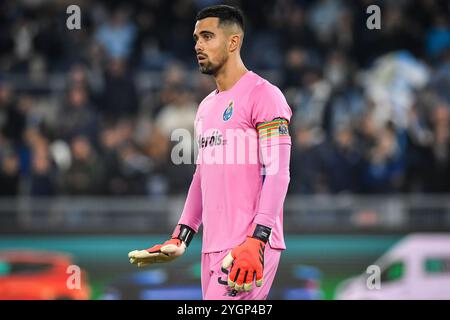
214	279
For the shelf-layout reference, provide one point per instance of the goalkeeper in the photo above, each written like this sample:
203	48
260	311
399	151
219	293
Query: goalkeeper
239	200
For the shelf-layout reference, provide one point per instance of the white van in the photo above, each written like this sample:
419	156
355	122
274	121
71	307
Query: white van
417	267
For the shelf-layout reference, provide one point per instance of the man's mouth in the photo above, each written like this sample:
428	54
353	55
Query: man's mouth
201	58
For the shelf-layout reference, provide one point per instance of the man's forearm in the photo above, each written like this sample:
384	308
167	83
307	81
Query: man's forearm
192	212
275	185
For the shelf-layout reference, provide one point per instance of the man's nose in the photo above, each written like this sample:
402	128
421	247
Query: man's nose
198	47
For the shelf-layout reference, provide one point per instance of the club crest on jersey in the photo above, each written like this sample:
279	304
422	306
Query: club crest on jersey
228	111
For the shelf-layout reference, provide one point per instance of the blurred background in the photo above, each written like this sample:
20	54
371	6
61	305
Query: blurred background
85	123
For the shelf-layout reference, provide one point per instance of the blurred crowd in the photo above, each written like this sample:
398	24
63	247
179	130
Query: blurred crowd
91	111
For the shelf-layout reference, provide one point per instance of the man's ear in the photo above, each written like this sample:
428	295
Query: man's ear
235	42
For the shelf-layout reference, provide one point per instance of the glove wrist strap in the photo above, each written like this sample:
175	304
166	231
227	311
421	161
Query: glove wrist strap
260	232
184	233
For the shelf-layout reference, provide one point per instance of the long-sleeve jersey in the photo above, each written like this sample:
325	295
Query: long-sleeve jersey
242	172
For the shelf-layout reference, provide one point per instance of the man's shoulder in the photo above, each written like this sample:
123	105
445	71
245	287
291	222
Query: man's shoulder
208	97
263	88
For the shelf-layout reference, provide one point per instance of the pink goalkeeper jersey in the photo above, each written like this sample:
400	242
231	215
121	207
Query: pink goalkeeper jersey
228	163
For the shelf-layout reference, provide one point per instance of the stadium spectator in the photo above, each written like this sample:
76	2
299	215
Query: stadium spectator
86	174
367	104
77	116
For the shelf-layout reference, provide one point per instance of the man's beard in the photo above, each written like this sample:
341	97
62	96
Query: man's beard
212	69
209	69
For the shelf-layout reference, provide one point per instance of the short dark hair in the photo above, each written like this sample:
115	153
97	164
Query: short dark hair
226	14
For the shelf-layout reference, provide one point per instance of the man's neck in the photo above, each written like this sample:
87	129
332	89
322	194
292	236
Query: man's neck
229	75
